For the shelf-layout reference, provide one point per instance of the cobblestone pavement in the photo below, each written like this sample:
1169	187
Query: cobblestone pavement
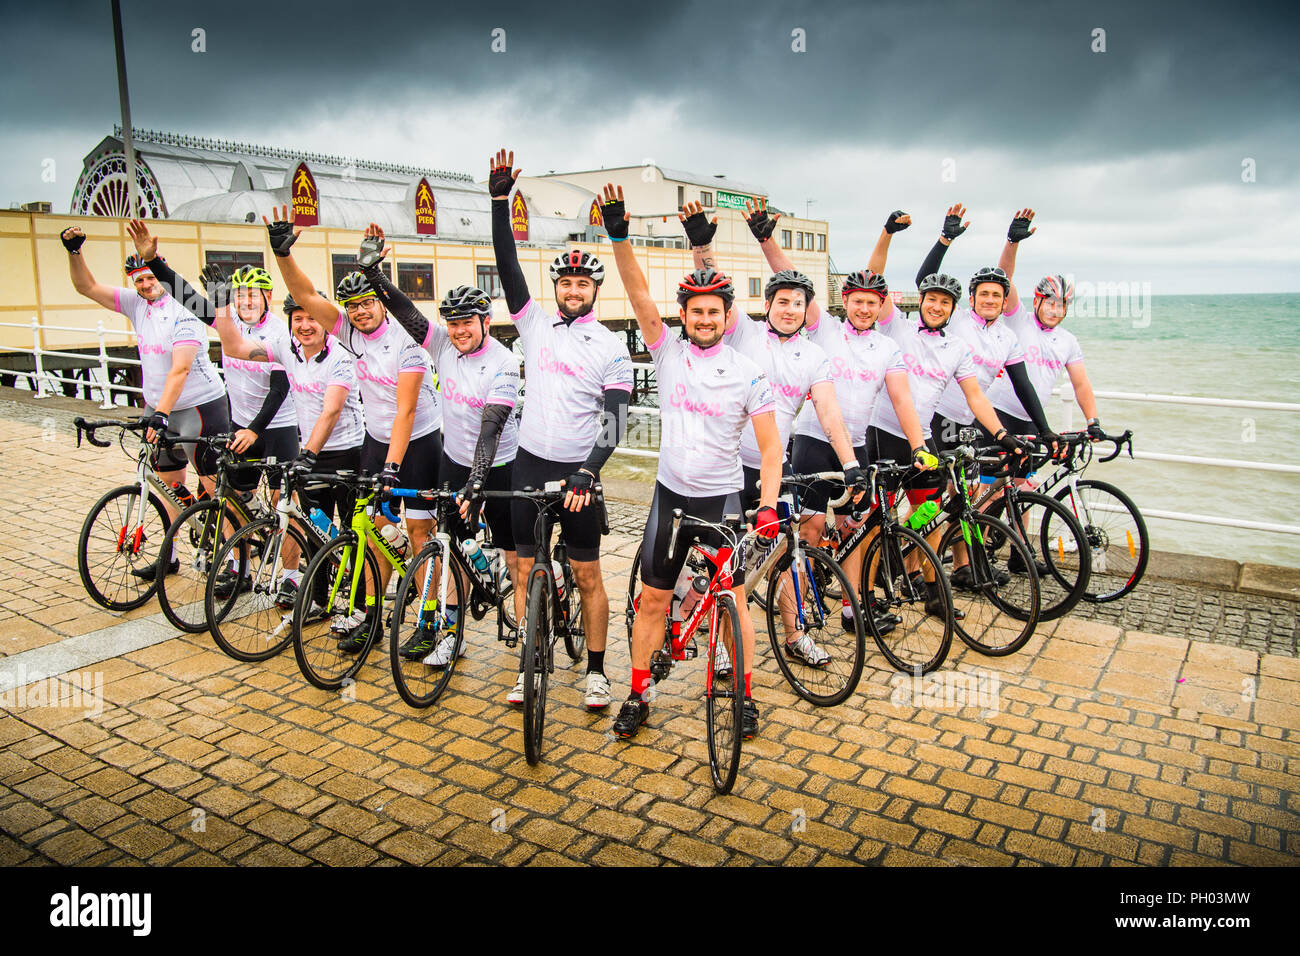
1094	745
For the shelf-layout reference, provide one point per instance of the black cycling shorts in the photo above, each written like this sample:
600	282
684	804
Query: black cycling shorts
345	459
210	418
278	443
658	569
581	528
1016	426
419	467
886	446
812	454
496	511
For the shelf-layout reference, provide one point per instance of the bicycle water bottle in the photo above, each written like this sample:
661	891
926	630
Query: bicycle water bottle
923	515
476	558
680	590
323	524
183	494
395	537
698	585
558	571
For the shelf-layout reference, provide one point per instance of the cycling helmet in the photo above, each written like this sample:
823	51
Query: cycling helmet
354	286
938	282
251	277
864	280
575	262
706	281
1054	287
990	274
290	306
135	264
464	301
789	279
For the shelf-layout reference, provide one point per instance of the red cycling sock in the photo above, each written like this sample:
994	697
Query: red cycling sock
640	681
747	677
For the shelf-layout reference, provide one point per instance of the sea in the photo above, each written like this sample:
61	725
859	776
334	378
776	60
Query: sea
1238	347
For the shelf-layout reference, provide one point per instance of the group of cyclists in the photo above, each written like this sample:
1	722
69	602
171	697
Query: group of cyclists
365	382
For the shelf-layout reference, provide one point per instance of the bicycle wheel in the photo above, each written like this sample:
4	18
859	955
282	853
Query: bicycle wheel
575	631
1053	536
422	607
1116	534
1000	609
537	660
194	538
323	605
725	707
901	577
804	602
248	624
113	546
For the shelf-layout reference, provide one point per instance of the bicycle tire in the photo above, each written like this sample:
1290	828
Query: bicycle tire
999	618
182	596
420	684
575	630
1054	537
108	588
725	707
537	651
1106	584
840	675
633	596
314	645
920	641
248	625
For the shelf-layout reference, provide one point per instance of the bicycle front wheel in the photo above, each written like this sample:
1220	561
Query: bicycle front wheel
725	707
1117	537
249	623
537	660
194	538
906	601
423	645
821	660
332	633
1000	609
114	547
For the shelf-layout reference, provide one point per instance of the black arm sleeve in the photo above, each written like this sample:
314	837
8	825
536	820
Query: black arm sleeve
489	436
933	259
184	293
397	304
616	402
503	243
1019	376
271	405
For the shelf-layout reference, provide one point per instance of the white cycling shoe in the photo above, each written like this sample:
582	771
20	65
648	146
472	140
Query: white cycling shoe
597	695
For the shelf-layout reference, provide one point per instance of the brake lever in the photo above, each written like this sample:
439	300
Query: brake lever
672	541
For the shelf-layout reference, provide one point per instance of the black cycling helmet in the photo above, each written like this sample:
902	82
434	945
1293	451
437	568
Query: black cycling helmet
135	264
706	281
990	274
938	282
464	301
290	306
864	280
353	286
575	262
789	279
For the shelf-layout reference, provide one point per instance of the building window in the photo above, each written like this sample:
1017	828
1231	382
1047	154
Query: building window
681	196
343	264
415	279
230	261
821	242
755	289
799	244
785	238
488	280
706	199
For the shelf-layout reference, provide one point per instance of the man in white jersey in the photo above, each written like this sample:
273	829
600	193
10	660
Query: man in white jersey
579	377
710	394
182	391
403	416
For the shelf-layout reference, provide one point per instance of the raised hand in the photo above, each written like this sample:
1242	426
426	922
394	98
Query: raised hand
146	245
282	233
1020	230
614	213
72	238
699	231
501	178
761	223
952	222
897	221
373	249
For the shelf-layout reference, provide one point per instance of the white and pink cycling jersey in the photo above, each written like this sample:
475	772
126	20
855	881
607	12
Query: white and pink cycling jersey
896	325
792	368
567	368
706	400
859	363
308	379
1046	351
487	376
382	356
248	383
992	348
160	327
932	360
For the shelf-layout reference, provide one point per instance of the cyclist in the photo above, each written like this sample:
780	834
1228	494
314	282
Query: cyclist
403	440
479	378
182	391
578	372
710	394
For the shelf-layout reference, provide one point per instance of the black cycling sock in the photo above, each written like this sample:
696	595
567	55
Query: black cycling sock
595	662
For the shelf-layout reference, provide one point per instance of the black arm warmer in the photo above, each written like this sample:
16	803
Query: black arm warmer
616	402
397	304
1019	376
503	242
271	404
933	259
489	436
184	293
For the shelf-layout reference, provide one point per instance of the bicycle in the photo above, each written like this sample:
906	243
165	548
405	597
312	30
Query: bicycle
1112	524
251	624
199	532
551	612
434	581
115	543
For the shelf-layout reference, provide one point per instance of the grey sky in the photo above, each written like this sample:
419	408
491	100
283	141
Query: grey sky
1133	157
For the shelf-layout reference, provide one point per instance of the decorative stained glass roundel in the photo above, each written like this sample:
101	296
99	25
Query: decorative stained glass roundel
102	190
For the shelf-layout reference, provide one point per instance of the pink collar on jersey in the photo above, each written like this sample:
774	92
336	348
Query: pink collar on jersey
854	330
487	340
260	322
383	327
585	317
707	353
